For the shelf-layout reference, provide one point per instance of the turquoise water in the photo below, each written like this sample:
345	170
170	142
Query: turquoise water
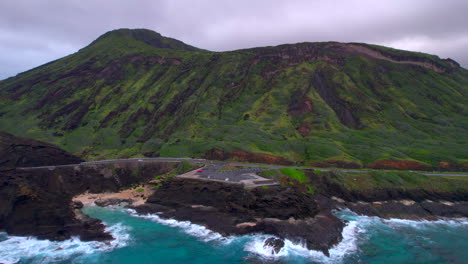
150	239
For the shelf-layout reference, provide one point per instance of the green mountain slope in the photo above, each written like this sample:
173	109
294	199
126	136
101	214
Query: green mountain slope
134	92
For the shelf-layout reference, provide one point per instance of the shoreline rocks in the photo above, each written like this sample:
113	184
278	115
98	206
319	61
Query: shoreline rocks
276	244
38	202
229	209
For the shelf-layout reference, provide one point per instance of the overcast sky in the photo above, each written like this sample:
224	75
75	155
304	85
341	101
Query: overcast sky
33	32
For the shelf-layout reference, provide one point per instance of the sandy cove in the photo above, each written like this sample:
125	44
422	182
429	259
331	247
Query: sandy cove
133	196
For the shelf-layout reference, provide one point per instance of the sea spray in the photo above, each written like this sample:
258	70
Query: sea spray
299	250
14	249
143	239
255	243
195	230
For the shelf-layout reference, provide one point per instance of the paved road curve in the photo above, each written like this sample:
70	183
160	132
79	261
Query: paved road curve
221	163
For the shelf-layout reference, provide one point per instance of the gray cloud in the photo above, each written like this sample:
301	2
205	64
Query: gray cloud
35	32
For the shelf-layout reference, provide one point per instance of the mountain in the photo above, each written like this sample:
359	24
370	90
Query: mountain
134	92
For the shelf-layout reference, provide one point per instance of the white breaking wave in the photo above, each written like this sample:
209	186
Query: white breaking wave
354	232
33	250
195	230
460	222
255	243
347	246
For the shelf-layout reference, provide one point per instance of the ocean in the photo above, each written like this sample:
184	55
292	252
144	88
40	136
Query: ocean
150	239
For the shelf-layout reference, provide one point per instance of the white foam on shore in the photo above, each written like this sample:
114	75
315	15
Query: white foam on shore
33	250
355	230
364	221
255	243
195	230
347	246
461	222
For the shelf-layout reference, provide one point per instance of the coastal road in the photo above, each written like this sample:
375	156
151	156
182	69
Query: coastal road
223	163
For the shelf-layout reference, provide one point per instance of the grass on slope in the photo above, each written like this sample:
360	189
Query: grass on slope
397	179
295	174
233	101
364	182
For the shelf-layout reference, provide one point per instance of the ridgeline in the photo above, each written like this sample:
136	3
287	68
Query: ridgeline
134	92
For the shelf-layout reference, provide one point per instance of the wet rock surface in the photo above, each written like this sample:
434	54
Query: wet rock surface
275	244
230	209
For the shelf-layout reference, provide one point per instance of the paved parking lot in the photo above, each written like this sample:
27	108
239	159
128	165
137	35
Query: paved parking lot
246	176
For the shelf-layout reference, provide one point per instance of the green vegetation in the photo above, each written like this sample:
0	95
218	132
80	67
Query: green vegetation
397	179
185	166
269	173
182	167
159	177
368	182
291	177
133	92
140	190
295	174
311	189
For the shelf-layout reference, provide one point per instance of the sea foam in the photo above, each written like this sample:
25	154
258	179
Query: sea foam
354	233
255	243
32	250
291	249
195	230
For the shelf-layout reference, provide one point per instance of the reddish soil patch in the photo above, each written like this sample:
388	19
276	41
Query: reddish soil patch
399	165
444	165
449	166
304	129
301	107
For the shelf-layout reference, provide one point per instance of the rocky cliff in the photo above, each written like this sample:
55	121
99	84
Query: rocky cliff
38	201
26	152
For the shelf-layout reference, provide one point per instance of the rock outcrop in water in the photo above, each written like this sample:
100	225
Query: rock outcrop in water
230	209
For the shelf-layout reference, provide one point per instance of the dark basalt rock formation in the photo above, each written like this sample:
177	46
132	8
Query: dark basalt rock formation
275	244
230	209
391	202
38	201
329	188
26	152
410	210
112	201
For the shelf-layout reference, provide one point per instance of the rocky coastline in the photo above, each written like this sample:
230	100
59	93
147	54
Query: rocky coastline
285	213
38	202
46	202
